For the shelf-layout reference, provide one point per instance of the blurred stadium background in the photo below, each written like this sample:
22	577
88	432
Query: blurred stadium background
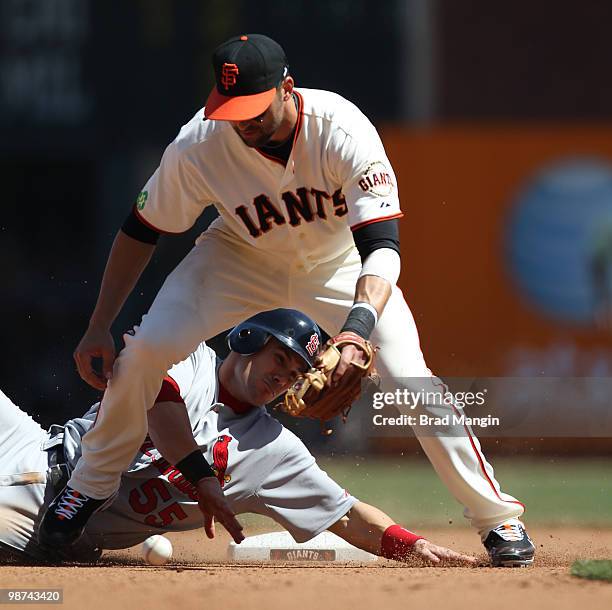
496	116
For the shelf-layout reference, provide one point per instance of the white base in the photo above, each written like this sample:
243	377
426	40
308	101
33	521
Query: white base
280	546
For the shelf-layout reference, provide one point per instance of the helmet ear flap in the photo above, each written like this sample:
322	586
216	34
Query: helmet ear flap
245	339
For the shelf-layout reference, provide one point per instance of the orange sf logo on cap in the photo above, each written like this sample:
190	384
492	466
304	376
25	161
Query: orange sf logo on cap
229	72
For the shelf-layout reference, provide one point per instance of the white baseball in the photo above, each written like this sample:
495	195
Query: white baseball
157	550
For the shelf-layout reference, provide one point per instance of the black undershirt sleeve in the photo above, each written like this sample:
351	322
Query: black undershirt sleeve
376	235
136	229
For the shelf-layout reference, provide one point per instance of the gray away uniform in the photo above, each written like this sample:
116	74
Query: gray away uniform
263	468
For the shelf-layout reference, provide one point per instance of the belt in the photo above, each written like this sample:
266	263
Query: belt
58	473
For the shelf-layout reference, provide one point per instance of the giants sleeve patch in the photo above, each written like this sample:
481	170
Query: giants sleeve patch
377	179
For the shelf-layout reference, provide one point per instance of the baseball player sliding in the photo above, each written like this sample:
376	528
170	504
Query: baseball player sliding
207	404
309	213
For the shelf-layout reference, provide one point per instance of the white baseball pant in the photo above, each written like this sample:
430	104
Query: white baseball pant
221	282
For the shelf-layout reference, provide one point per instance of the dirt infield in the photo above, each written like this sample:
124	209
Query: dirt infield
200	578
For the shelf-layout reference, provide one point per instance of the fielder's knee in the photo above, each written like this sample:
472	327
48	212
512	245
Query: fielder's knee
147	350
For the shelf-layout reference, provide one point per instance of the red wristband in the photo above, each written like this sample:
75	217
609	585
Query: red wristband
397	542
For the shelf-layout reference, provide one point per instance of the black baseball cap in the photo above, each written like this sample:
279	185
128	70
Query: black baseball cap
248	69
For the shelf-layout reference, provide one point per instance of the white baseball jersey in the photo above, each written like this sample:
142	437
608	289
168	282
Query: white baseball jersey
263	468
337	176
283	239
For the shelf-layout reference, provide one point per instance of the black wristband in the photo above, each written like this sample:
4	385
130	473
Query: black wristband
194	467
360	321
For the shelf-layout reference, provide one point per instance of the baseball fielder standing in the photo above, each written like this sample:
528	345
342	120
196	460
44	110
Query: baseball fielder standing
308	208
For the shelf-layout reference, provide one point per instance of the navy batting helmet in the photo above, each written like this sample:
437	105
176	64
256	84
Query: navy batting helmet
291	327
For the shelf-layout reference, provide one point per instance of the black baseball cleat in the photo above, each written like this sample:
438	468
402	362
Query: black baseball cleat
66	517
509	546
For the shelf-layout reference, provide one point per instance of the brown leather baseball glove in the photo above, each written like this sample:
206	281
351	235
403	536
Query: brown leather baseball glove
314	394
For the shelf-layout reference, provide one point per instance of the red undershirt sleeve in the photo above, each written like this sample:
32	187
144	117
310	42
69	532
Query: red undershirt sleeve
169	392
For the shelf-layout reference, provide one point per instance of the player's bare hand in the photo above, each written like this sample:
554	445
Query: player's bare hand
213	505
432	553
350	353
96	343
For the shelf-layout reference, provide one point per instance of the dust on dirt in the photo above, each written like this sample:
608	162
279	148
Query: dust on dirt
201	577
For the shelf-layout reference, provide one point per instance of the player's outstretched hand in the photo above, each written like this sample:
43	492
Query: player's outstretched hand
432	553
213	505
96	343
